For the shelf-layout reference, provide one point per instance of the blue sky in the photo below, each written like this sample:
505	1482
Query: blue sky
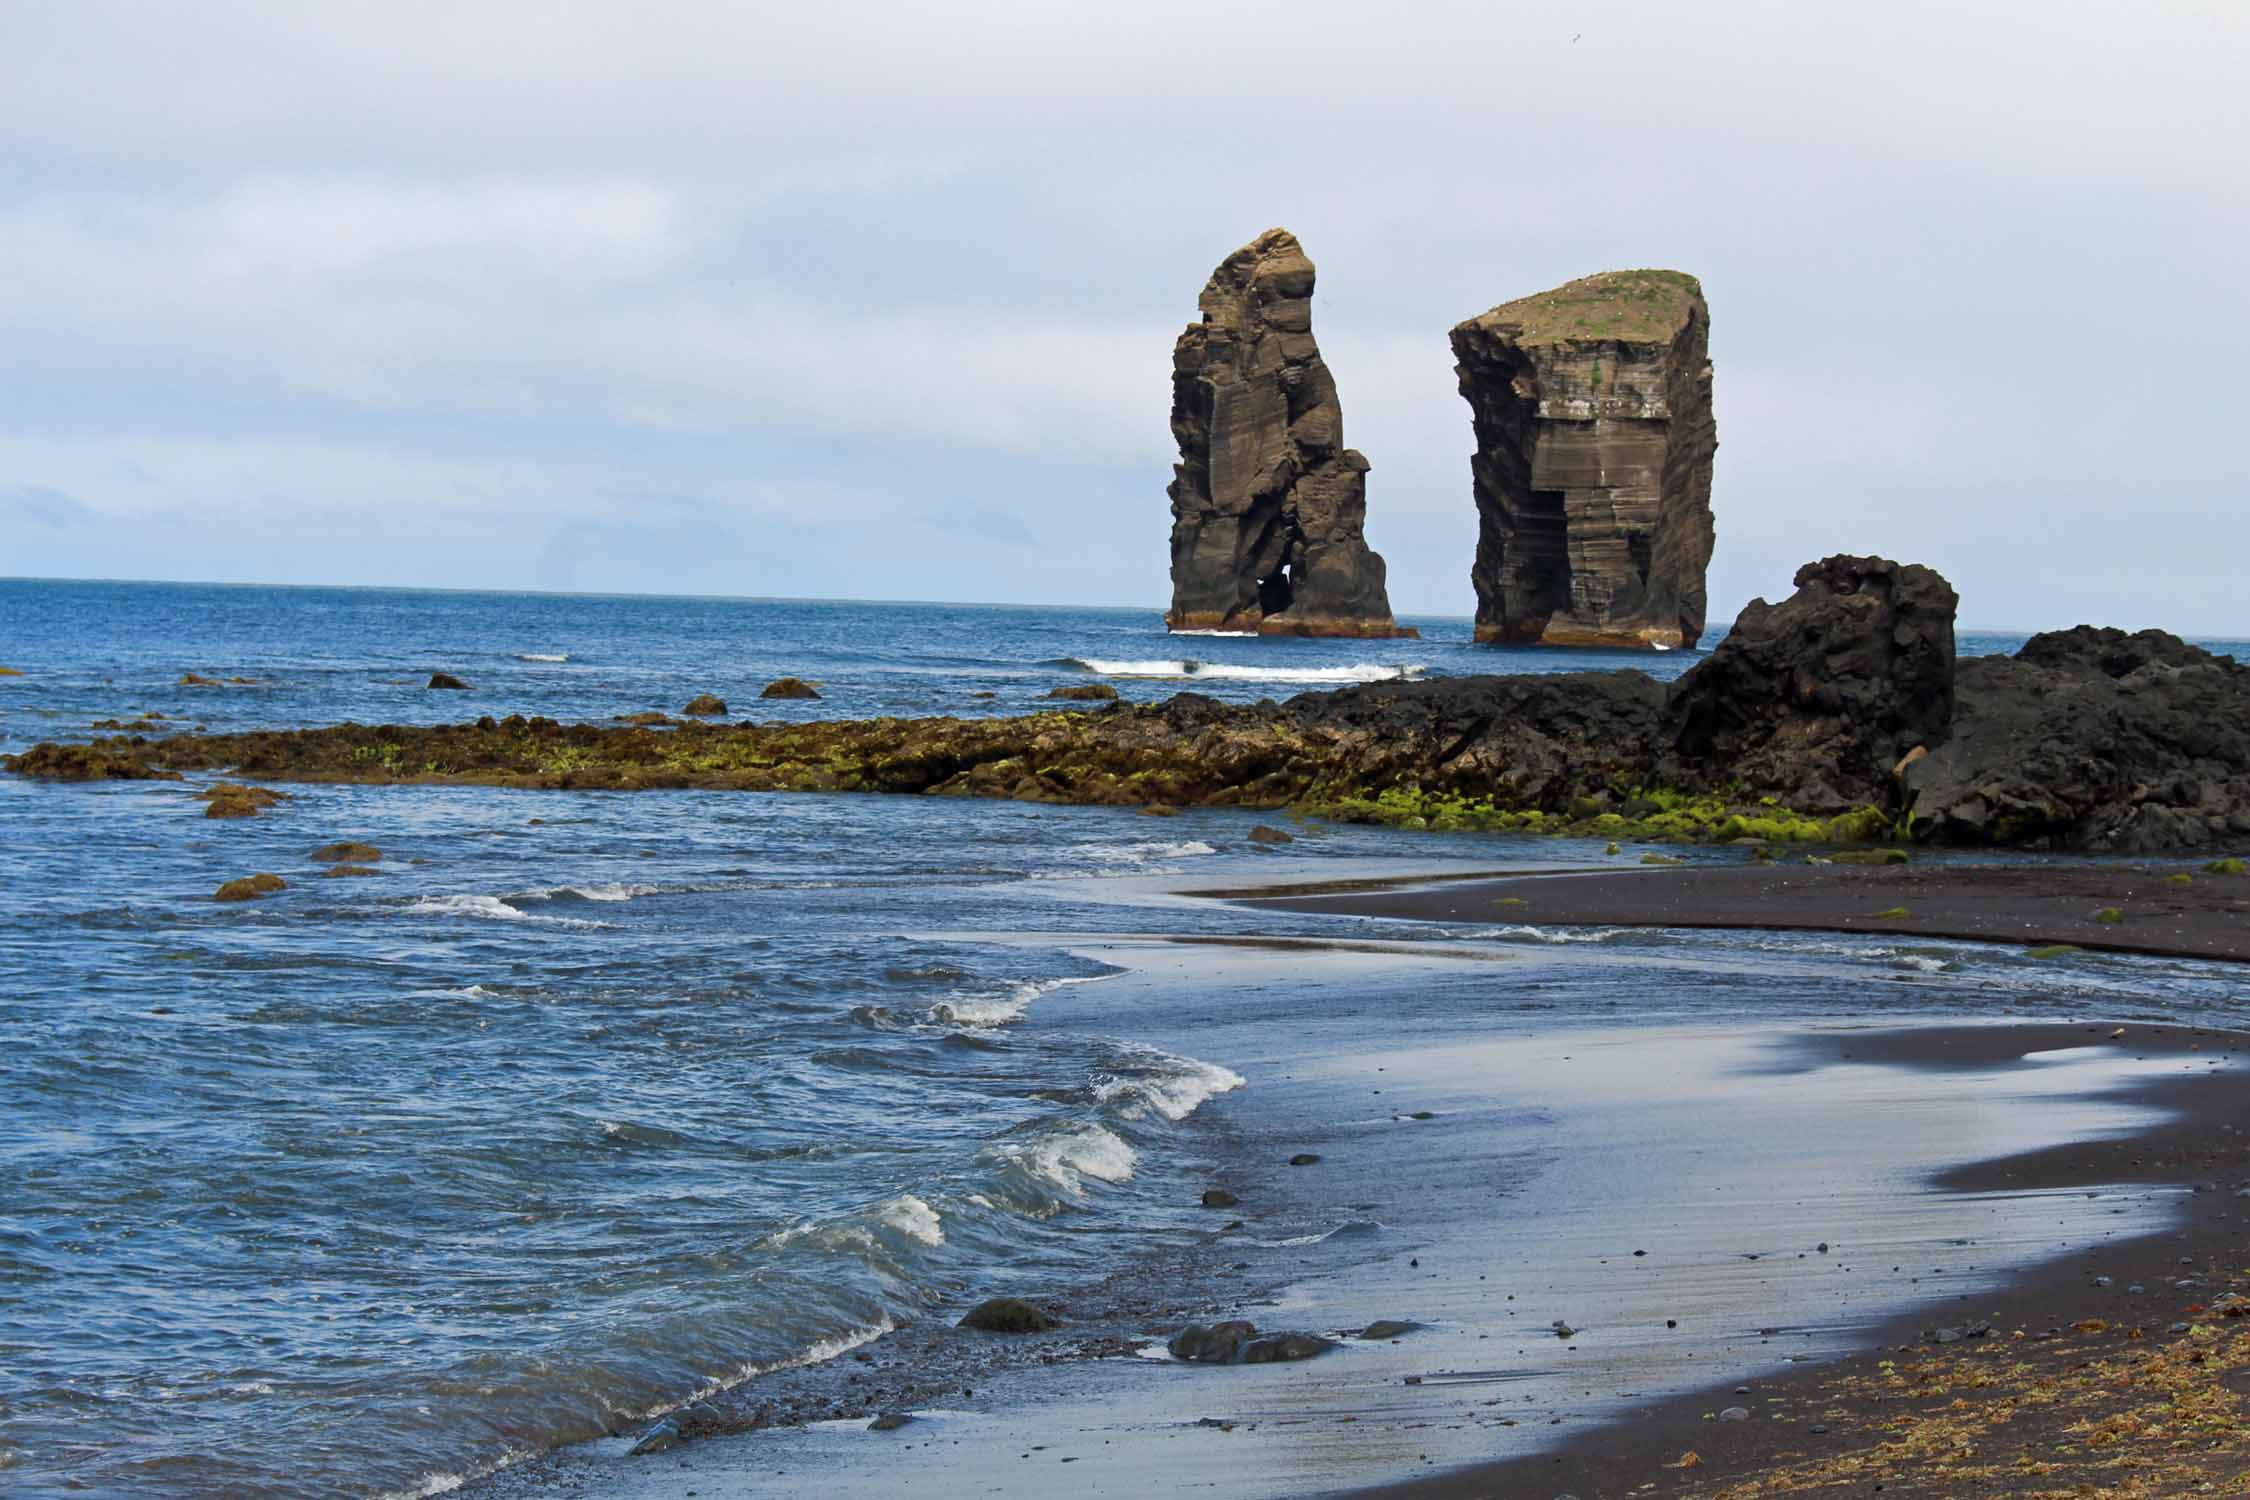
877	301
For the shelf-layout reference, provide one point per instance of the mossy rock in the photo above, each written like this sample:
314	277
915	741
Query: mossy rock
1009	1315
349	852
1087	692
1511	901
446	682
1892	914
339	872
249	887
2052	950
1662	859
1870	856
707	706
1265	833
2228	866
647	719
231	799
196	679
2109	916
789	687
2181	879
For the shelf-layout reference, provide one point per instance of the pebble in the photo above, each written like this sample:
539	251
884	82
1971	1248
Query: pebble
2102	1281
1735	1414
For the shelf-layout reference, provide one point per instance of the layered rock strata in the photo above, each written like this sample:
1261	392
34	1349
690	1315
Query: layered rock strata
1269	507
1592	410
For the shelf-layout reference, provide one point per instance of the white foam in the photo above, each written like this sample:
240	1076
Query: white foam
1526	934
998	1010
488	908
1068	1158
1129	859
542	656
1173	1086
1219	671
911	1217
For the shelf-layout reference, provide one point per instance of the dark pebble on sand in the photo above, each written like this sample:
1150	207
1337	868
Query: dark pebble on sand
1219	1198
1304	1159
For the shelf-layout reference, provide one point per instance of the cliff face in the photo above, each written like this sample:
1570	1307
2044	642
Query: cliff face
1592	408
1268	505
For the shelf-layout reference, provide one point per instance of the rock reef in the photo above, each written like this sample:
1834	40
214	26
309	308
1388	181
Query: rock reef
1592	410
1269	507
1838	715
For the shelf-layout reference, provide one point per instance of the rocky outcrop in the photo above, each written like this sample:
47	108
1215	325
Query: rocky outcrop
2092	739
447	682
1268	505
789	687
1817	699
1592	409
706	706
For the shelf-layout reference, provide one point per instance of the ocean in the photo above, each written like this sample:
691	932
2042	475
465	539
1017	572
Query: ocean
591	1103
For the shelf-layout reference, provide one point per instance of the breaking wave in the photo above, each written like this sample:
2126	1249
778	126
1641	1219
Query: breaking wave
1188	669
490	909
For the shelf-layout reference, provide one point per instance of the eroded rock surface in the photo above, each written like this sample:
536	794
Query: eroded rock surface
2093	739
1592	409
1268	505
1817	699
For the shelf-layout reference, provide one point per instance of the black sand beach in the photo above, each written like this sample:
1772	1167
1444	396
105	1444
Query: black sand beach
2173	910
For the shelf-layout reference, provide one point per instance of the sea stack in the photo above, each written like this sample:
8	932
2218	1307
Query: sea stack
1268	505
1592	405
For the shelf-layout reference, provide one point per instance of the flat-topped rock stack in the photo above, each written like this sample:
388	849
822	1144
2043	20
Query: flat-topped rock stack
1268	505
1592	408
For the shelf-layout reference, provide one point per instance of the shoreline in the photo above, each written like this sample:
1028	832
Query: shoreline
1051	1406
2032	906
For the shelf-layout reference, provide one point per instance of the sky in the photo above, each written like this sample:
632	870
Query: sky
877	301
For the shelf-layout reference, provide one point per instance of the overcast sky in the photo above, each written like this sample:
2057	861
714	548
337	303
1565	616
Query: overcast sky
877	301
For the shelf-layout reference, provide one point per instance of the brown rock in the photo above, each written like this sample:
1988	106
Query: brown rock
1592	407
706	706
644	720
1009	1315
338	872
1265	833
51	762
448	681
789	687
348	852
231	799
1088	692
190	679
1268	505
249	887
9	672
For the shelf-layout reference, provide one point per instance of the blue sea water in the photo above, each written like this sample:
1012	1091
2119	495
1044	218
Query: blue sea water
587	1103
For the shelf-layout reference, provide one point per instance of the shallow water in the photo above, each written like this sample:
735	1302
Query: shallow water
589	1102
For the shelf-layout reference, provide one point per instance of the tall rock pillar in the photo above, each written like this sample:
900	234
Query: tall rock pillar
1268	505
1592	408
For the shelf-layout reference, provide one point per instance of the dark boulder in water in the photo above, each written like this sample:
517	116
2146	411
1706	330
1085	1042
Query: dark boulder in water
249	887
1212	1344
448	682
789	687
1219	1198
1265	834
231	799
85	763
1087	692
1278	1348
706	706
348	852
340	872
646	720
1009	1315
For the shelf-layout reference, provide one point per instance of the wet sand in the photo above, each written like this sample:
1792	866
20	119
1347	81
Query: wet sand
2206	916
1485	1180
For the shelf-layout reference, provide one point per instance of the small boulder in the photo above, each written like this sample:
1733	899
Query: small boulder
1087	692
338	872
890	1421
1160	810
646	720
1009	1315
349	852
1219	1198
1387	1328
1304	1159
231	799
193	679
661	1438
789	687
1735	1414
1212	1344
1265	834
447	681
707	706
249	887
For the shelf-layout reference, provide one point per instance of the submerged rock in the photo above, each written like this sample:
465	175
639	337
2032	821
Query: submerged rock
1277	1348
342	872
249	887
1268	505
1009	1315
447	682
1592	410
1265	834
231	799
647	719
1219	1198
1087	692
349	851
707	706
789	687
1211	1344
84	763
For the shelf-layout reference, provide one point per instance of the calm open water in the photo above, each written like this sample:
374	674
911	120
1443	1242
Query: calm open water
588	1103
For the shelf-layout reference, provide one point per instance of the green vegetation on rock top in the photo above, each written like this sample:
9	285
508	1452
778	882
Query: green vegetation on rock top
1639	306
